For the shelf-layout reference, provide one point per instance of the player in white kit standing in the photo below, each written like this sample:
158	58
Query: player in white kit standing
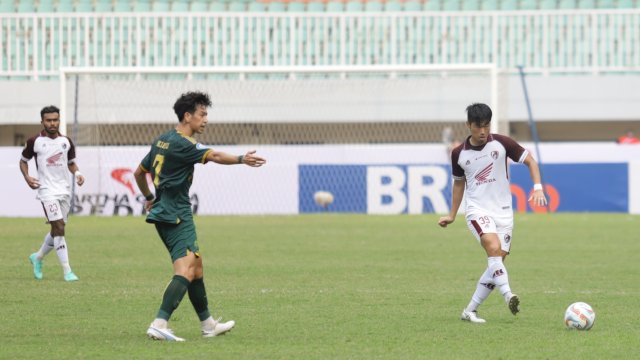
480	171
54	156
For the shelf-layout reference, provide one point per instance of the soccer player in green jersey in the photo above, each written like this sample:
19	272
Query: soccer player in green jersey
171	164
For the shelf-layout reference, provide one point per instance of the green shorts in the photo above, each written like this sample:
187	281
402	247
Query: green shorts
180	239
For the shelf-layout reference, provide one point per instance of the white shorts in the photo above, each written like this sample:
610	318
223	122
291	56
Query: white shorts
56	209
482	223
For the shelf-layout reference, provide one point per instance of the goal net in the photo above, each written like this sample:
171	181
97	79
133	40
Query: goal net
114	110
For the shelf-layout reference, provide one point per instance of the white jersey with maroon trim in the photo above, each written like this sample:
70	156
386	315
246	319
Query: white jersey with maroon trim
52	157
486	172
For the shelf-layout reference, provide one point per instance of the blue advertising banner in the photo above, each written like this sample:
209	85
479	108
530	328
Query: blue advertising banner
415	189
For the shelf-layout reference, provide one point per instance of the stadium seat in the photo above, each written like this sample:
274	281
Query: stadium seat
354	6
471	5
587	4
7	6
237	6
295	6
276	6
625	4
217	6
373	6
415	6
606	4
256	7
65	6
45	7
125	6
451	5
26	6
180	6
160	6
392	6
103	6
84	6
548	4
335	6
508	5
567	4
432	5
529	5
315	6
489	5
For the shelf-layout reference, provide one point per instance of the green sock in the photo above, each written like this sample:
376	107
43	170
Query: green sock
173	294
198	297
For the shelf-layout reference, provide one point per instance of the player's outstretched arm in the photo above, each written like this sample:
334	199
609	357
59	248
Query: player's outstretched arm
537	197
456	200
250	158
31	181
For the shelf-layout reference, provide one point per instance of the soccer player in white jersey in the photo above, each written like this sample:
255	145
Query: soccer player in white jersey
55	160
480	171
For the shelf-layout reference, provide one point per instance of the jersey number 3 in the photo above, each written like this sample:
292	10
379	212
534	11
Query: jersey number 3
157	167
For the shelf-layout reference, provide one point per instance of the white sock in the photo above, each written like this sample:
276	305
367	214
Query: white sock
47	246
63	255
208	323
483	290
500	277
159	323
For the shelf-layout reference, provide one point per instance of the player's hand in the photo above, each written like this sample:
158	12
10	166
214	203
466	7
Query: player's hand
32	182
80	180
537	198
148	204
253	160
446	220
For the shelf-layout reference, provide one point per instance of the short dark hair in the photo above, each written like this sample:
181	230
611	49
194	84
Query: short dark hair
49	110
479	114
188	102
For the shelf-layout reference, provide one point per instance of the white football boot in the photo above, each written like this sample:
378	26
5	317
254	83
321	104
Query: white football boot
218	328
471	316
162	334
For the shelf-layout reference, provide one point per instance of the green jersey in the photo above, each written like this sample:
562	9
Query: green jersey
170	162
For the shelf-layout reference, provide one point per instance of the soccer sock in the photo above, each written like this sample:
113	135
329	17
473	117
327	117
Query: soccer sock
173	294
483	290
500	277
61	249
198	297
47	246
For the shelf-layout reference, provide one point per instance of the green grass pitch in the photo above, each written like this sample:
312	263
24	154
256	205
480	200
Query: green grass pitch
325	287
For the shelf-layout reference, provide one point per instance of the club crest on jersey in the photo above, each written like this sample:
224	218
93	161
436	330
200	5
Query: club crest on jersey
64	146
468	162
494	154
507	238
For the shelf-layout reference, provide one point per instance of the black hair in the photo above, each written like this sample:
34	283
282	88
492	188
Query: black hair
188	102
49	110
479	114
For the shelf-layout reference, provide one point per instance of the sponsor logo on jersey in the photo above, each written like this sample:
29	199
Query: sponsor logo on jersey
53	159
482	177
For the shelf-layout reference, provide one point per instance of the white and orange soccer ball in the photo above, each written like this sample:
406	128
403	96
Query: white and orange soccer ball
579	316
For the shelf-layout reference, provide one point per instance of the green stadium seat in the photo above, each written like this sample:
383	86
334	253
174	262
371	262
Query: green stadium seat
606	4
7	6
451	5
432	5
567	4
354	6
471	5
256	7
237	6
315	6
104	6
199	6
295	6
392	6
84	6
45	7
335	6
587	4
415	6
26	6
529	5
125	6
65	6
509	5
625	4
217	6
276	6
160	6
179	6
489	5
548	4
373	6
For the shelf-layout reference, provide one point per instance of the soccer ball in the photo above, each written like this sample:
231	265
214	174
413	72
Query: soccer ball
323	198
579	316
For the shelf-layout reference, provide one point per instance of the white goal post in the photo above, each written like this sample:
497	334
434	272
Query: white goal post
289	76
